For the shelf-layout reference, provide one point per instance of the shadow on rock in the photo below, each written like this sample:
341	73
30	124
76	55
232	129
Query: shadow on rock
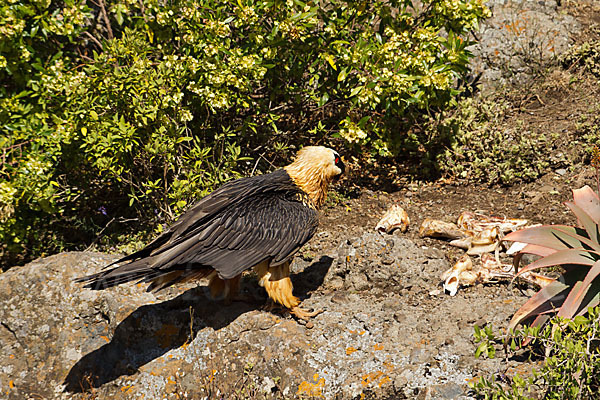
154	329
312	277
149	332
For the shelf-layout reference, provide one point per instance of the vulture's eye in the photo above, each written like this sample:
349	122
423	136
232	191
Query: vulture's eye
339	163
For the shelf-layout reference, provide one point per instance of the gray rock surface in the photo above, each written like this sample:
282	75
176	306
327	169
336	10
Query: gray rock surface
520	39
381	334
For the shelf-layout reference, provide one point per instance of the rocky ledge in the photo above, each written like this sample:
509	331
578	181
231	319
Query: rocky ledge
381	335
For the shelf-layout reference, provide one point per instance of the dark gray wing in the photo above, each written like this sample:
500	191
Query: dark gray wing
262	227
239	225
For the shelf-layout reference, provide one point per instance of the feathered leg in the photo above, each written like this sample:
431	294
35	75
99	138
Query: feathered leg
277	283
226	289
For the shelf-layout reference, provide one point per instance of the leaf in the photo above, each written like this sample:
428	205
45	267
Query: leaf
550	297
323	100
557	237
342	75
571	303
578	293
592	299
588	201
537	250
119	16
585	220
356	91
150	34
531	249
480	349
540	320
363	121
570	256
331	61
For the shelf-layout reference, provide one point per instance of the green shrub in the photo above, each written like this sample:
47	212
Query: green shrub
125	110
569	354
585	55
479	147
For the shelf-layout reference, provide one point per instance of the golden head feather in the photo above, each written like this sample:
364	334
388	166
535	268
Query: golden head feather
313	169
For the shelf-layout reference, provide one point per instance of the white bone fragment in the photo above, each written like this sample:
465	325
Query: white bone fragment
453	276
440	229
395	217
485	241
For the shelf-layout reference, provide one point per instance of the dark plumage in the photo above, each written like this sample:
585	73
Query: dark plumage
241	224
257	222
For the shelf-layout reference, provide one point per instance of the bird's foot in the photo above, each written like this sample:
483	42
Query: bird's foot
304	314
270	306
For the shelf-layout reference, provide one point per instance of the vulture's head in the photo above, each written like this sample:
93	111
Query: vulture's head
313	169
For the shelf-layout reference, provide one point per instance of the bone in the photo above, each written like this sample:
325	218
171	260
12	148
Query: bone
473	221
440	229
460	272
495	270
491	271
394	218
485	241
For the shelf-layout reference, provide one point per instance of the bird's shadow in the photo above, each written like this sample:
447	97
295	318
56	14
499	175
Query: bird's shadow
154	329
312	277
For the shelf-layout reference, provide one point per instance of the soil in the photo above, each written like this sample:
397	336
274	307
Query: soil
539	202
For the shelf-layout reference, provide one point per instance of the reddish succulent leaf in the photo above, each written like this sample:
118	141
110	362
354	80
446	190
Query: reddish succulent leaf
592	298
570	256
569	308
577	294
531	249
585	220
557	237
577	250
538	250
588	201
580	235
541	319
548	298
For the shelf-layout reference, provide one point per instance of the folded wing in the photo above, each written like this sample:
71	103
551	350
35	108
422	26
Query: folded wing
236	227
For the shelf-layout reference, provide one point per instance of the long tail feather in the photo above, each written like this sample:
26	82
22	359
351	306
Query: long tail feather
174	277
118	275
143	273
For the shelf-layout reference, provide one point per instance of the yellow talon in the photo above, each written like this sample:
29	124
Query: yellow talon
304	314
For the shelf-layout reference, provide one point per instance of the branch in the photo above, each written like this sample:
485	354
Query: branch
94	39
106	20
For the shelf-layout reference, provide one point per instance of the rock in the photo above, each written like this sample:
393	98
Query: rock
125	343
433	253
268	385
522	35
449	391
358	269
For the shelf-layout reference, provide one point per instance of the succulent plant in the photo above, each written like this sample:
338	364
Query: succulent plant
576	250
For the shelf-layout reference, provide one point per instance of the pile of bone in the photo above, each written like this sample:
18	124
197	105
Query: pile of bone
475	232
479	235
